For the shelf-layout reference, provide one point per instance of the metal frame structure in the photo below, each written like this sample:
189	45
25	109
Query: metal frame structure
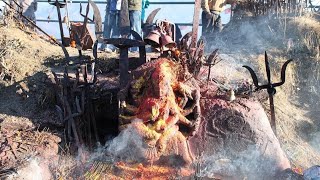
104	2
153	3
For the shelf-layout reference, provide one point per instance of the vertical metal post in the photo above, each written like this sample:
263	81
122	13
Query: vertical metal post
270	87
123	44
273	116
124	22
195	25
142	49
124	67
57	4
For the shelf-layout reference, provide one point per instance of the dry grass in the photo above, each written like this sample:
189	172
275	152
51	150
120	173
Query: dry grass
307	28
293	123
23	62
294	126
290	115
307	22
290	119
23	53
299	96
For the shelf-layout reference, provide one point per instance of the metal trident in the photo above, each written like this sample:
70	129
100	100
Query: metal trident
270	86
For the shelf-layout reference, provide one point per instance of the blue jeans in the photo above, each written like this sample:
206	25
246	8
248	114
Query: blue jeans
135	24
111	26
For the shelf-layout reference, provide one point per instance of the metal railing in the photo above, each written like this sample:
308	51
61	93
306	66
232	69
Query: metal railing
56	21
104	2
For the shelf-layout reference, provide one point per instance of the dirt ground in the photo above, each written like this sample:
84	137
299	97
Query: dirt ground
26	60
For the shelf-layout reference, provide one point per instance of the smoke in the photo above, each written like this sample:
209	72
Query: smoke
248	164
241	43
315	141
36	169
230	69
128	145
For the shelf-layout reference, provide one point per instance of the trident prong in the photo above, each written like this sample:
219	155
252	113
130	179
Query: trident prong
211	61
270	86
83	15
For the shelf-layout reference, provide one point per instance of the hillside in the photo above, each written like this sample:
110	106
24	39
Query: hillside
297	101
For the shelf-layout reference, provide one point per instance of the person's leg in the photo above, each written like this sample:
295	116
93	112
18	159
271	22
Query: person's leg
111	22
204	24
106	28
143	11
107	25
111	29
115	27
217	24
135	21
208	27
135	24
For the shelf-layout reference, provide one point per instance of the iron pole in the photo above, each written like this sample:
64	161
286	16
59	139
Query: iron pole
195	25
273	116
57	4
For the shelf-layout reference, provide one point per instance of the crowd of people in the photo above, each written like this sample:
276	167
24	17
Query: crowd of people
136	10
211	19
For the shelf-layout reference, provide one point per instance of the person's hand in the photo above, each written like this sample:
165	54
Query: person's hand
209	15
234	5
146	5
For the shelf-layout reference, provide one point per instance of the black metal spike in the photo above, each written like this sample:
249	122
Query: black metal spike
267	67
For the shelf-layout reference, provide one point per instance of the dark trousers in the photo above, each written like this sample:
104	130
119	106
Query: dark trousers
212	26
111	25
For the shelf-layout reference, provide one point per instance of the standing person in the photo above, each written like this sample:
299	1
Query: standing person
29	7
135	7
111	23
211	19
145	5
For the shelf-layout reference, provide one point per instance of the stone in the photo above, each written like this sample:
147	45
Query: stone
239	131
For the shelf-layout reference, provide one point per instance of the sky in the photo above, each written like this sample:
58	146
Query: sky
173	13
164	13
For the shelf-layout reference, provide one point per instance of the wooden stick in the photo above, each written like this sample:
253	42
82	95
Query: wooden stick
73	126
